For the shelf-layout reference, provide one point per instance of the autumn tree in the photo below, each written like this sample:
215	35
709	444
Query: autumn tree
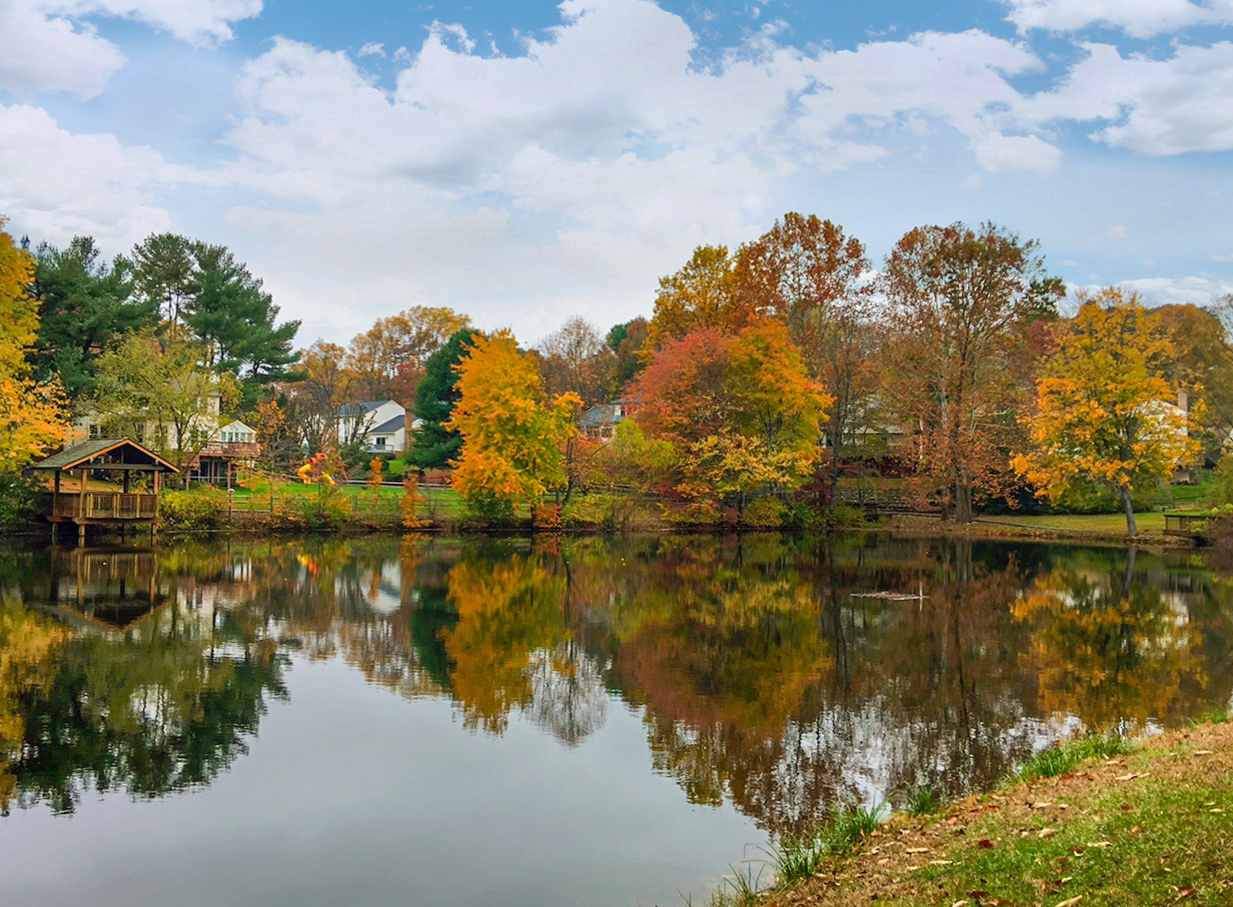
702	294
1202	364
160	387
627	341
388	359
84	301
960	301
314	400
1104	413
32	414
741	409
434	444
577	359
512	436
812	276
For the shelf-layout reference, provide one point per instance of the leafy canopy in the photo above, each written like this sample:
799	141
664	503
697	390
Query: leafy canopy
512	438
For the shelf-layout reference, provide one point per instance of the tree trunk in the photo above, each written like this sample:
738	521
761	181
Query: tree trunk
963	502
1131	529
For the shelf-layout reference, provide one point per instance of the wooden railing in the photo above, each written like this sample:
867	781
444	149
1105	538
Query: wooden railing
103	505
1187	524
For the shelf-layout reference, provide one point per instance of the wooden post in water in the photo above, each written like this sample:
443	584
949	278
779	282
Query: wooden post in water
81	508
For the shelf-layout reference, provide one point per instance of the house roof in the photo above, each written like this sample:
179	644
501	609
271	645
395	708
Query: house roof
602	414
357	409
389	427
118	451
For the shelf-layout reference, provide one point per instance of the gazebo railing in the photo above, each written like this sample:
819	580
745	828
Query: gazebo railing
105	505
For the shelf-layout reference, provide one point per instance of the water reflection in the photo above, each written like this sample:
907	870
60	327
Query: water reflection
779	674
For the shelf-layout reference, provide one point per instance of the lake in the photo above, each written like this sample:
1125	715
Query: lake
579	721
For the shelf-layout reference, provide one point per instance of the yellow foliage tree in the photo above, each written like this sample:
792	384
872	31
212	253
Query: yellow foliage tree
1103	412
32	415
512	438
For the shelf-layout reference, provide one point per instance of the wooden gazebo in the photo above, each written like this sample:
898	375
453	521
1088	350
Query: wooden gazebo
104	508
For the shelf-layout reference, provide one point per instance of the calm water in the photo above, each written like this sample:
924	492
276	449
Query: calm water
577	722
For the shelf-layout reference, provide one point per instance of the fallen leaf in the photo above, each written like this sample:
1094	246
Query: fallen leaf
959	903
1040	805
939	862
1069	902
917	850
1101	844
985	843
1047	833
1202	752
884	861
1184	892
1129	777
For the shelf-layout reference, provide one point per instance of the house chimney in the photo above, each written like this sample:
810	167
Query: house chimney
1183	399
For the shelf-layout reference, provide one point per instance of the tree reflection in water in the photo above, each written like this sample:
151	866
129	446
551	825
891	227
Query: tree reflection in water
781	674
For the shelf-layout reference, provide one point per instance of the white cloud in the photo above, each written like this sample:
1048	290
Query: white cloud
49	47
198	22
43	53
1137	18
1155	107
56	185
371	49
996	152
1117	231
1197	290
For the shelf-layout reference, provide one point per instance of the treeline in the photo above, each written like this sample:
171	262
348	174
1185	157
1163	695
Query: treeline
763	377
765	373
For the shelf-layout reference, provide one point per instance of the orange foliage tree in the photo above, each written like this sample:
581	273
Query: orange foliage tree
741	409
512	437
32	415
1104	413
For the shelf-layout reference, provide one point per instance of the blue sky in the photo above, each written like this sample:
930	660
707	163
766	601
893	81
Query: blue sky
525	162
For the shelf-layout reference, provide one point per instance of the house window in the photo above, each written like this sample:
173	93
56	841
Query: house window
96	431
379	442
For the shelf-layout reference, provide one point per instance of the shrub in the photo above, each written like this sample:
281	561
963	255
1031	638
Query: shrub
20	499
765	513
201	508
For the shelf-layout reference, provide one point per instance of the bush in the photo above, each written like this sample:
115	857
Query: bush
330	509
20	499
765	513
201	508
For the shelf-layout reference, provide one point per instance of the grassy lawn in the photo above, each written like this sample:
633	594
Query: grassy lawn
1149	827
1085	522
440	502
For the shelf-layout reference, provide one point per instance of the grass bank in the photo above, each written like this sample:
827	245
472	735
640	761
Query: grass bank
1082	528
1092	824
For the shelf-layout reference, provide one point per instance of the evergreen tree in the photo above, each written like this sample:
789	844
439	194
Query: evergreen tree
84	303
434	445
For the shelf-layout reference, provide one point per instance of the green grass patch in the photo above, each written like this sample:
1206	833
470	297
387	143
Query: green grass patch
922	801
798	858
1153	844
1063	758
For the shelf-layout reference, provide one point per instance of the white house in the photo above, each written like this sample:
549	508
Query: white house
380	424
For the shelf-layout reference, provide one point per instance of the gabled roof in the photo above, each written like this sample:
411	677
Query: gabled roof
356	409
390	426
603	414
116	450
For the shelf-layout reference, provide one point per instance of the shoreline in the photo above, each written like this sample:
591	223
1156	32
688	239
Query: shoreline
1151	825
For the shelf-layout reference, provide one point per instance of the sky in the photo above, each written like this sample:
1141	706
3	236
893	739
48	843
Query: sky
525	161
